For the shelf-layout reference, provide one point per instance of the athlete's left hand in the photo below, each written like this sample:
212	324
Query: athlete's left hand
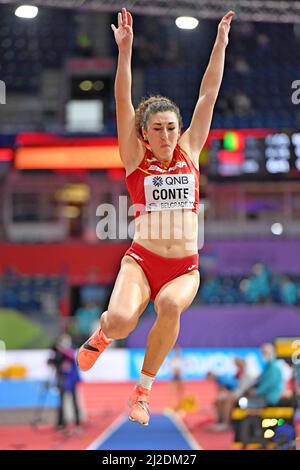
224	28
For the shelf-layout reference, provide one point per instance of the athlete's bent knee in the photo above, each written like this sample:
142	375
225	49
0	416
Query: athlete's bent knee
117	325
167	308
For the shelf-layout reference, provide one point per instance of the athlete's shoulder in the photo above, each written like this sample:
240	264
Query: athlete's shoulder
185	155
142	163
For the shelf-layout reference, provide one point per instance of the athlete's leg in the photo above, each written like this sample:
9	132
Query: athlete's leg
173	298
129	299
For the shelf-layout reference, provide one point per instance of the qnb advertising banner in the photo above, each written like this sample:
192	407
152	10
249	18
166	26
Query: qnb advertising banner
196	363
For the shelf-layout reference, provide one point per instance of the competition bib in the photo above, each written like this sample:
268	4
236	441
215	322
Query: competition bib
169	192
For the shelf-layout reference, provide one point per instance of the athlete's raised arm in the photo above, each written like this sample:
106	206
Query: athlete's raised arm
195	136
129	145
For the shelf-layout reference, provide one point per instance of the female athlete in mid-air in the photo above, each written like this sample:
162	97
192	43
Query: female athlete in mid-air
162	177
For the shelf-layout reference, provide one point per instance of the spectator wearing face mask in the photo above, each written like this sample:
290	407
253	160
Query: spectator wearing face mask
67	378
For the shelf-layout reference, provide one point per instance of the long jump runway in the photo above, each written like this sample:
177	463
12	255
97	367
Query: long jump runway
163	433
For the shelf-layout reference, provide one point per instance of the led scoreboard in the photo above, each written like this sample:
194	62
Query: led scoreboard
252	154
243	154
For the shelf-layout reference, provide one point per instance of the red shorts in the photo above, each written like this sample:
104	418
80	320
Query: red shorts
160	270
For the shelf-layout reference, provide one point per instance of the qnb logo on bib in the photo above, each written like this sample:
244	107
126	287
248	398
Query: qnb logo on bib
157	181
169	192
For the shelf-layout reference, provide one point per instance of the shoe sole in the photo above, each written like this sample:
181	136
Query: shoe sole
138	422
135	420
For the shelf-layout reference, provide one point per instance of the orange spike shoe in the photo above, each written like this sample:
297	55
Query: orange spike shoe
139	403
91	350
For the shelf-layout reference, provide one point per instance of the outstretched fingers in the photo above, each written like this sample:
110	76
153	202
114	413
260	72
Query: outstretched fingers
124	17
129	19
228	17
124	20
120	19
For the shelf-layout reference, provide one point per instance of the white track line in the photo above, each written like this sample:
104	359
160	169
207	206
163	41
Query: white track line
108	432
184	430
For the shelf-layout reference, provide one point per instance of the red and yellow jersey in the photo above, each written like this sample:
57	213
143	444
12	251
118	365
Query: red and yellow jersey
153	186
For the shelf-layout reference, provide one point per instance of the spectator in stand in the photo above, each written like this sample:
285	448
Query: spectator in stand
257	287
228	396
86	317
270	385
288	291
262	275
242	105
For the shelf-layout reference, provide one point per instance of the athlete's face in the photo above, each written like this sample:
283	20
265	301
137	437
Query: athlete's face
162	134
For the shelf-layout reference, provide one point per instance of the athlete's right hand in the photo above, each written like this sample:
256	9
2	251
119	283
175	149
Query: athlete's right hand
124	33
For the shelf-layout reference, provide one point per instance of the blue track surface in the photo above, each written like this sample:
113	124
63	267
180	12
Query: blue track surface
161	434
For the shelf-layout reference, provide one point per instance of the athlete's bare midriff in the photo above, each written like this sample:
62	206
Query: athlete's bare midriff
172	234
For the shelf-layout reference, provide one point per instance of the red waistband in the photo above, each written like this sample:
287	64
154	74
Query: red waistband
139	248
